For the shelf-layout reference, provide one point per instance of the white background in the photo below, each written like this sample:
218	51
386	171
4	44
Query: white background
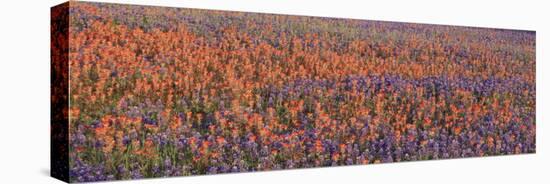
24	90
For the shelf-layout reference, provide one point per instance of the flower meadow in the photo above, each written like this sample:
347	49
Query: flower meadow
159	92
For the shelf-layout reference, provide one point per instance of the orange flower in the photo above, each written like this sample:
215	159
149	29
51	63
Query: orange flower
335	156
74	112
220	140
252	138
109	144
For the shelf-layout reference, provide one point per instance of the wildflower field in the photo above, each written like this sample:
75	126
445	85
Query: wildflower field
158	92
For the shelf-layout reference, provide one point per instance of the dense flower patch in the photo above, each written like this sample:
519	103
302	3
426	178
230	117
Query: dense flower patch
158	92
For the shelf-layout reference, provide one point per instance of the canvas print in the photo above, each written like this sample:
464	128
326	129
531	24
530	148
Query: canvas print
145	92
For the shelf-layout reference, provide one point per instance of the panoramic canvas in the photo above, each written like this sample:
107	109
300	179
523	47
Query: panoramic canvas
144	92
